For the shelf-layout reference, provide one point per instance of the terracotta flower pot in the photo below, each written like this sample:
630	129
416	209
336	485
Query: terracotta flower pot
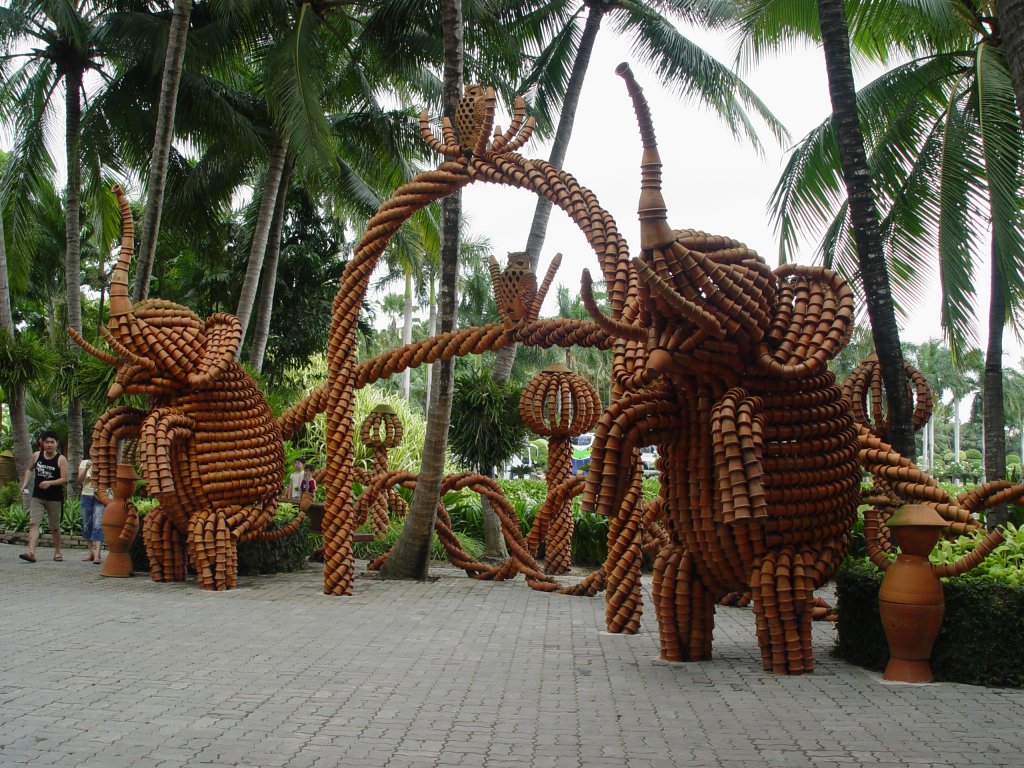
115	516
910	599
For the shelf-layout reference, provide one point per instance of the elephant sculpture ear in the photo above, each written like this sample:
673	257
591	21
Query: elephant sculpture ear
812	322
223	339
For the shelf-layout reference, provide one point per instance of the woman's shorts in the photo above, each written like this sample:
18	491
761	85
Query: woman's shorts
92	516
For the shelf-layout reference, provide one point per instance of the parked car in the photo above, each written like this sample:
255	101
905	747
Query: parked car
581	445
648	457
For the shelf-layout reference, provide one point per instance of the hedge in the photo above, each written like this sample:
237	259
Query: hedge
284	555
982	636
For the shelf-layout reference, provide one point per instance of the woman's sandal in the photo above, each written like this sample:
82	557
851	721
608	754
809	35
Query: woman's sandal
27	557
58	557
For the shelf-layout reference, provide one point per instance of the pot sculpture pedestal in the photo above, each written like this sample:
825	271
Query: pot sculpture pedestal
119	517
910	599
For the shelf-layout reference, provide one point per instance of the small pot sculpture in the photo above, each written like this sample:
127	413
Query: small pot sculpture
120	524
910	599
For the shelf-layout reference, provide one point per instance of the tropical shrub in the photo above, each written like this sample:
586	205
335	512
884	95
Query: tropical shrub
368	550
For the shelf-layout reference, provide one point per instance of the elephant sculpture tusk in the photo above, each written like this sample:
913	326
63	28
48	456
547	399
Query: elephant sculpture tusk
99	354
613	328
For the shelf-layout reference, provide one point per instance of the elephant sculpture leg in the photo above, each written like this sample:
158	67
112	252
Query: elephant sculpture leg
783	589
684	607
213	550
623	602
165	546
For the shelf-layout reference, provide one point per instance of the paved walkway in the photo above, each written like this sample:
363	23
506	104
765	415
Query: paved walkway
108	673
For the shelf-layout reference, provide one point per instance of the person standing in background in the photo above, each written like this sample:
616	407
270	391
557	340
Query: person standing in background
295	480
92	513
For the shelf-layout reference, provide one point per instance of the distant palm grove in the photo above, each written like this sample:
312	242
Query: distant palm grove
256	137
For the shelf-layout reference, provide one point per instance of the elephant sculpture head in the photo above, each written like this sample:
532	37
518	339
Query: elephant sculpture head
160	348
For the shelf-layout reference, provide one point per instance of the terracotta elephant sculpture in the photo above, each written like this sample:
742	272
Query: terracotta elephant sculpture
209	447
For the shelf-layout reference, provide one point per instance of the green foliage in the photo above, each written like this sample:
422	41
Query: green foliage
24	359
14	518
312	444
982	637
1004	565
486	429
10	494
368	550
290	553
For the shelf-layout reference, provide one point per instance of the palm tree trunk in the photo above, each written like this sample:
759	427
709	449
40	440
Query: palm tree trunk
567	118
268	200
16	394
431	331
931	443
269	280
410	557
864	217
956	429
407	330
994	419
73	258
1010	14
164	136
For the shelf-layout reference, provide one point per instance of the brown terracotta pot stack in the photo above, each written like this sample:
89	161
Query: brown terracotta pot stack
382	431
209	447
559	405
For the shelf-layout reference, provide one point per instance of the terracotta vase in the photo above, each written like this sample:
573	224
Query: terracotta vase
910	599
119	561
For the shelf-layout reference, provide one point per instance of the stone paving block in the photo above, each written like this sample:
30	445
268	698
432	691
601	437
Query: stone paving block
105	673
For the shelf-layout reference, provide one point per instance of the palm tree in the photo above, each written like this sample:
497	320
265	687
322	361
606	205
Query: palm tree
560	67
874	273
946	156
16	392
411	555
950	111
62	48
174	57
1010	17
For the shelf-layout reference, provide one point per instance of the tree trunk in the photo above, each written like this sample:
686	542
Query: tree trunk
407	330
431	331
956	429
494	540
865	220
268	200
992	391
164	136
566	119
1010	15
410	557
72	261
16	394
265	310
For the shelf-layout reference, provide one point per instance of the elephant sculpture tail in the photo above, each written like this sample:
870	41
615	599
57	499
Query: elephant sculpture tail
290	528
